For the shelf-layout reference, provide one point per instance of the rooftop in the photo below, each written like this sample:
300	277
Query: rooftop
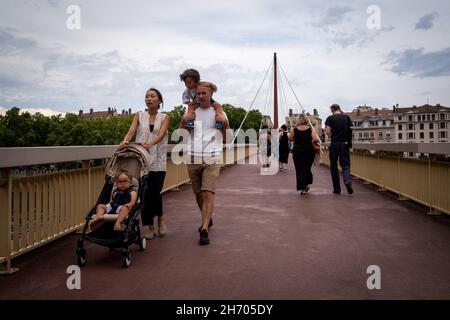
426	108
379	113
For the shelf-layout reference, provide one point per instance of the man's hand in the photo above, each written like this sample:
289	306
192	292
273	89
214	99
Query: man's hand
192	106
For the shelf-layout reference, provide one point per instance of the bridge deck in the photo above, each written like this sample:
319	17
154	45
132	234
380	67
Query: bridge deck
266	243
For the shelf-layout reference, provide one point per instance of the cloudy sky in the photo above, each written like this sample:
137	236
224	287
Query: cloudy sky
326	49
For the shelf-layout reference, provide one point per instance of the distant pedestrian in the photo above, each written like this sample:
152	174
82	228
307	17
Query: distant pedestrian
265	146
284	148
303	153
338	126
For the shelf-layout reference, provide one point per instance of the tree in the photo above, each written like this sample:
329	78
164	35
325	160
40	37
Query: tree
26	130
175	118
237	115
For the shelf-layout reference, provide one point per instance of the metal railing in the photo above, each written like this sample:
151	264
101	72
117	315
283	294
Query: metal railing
426	181
37	208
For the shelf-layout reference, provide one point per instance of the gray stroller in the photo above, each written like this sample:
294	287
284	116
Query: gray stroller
135	159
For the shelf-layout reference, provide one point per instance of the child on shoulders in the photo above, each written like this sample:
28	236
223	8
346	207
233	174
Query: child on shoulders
191	79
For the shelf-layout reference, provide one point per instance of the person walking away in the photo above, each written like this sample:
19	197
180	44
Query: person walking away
303	153
338	127
284	148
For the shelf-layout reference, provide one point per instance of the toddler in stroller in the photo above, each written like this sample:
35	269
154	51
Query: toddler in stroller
116	213
123	198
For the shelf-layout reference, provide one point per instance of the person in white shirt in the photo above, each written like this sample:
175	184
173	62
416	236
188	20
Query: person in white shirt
205	156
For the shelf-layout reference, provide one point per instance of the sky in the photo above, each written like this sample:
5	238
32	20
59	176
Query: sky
60	56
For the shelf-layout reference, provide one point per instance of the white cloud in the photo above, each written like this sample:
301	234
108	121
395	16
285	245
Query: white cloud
326	50
45	111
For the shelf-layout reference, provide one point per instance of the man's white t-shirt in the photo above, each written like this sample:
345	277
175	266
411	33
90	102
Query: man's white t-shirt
205	139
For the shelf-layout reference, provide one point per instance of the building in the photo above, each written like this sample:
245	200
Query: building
112	112
425	123
372	124
266	120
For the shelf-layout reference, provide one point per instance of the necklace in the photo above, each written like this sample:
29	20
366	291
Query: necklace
152	125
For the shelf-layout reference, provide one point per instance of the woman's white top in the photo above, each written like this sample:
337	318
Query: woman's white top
158	152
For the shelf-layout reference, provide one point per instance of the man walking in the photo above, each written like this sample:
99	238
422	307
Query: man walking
205	156
338	126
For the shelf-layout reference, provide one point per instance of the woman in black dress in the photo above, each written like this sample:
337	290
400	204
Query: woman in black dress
303	153
284	148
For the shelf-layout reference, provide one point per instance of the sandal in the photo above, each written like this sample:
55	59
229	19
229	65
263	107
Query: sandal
150	235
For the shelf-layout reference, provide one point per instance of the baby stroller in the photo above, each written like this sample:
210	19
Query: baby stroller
135	159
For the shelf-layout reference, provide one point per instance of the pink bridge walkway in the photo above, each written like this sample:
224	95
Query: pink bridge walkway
266	243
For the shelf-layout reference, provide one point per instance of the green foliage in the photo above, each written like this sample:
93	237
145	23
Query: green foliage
236	116
175	118
26	130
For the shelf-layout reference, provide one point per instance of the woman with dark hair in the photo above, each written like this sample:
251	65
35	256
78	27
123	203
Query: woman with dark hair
150	128
303	153
283	148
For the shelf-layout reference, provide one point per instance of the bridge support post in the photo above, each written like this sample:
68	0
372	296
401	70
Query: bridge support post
177	188
434	212
5	221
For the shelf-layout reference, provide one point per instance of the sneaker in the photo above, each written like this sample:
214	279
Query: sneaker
162	229
189	124
348	185
150	235
204	239
307	189
209	226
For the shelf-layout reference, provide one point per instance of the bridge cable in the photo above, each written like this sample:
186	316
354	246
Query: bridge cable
251	105
303	110
286	107
268	95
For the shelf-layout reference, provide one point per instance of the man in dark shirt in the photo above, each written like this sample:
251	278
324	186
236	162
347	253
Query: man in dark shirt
338	126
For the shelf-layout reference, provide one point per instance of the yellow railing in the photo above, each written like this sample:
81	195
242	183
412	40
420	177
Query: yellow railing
424	181
43	207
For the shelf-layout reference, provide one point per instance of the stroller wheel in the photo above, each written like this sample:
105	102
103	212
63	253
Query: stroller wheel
126	258
81	257
143	244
